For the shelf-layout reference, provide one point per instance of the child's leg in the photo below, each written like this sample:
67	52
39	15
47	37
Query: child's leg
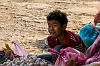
57	48
48	57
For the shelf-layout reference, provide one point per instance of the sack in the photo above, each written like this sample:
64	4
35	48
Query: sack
63	56
93	52
88	34
19	50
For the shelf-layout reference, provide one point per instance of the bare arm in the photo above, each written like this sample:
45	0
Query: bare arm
53	58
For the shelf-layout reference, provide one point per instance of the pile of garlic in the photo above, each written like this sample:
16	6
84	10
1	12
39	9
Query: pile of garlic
29	61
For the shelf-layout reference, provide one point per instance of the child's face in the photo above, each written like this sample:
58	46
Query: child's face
55	28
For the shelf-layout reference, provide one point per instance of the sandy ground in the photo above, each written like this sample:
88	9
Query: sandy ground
25	22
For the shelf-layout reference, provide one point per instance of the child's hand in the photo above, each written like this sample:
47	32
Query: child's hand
71	62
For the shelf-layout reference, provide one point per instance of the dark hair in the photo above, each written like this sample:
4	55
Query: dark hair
59	16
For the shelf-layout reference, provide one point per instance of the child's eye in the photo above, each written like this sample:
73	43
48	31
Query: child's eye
49	26
54	25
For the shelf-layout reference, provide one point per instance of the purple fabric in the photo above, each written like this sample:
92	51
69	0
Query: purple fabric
93	52
94	48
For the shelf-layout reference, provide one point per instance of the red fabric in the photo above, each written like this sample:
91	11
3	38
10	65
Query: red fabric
72	40
67	38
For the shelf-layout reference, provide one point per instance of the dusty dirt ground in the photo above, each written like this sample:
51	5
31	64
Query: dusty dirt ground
25	22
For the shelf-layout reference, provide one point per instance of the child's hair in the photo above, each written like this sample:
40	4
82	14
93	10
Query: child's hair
59	16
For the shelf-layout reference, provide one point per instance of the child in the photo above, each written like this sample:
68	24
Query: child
59	36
